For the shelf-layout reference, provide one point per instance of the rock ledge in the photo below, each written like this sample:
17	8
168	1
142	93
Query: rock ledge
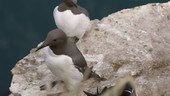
133	42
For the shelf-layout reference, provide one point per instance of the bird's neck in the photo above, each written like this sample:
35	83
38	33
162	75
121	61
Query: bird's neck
59	49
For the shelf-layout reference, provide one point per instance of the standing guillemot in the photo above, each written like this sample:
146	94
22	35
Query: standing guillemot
64	59
71	18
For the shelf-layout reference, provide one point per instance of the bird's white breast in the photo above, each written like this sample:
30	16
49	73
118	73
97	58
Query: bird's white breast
62	66
71	24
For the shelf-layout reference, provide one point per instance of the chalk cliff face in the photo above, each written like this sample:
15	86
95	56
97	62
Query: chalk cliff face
133	42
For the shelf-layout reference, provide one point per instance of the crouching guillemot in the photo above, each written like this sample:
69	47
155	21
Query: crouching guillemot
71	18
128	90
64	59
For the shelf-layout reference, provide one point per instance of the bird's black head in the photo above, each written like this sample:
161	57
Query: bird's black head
70	3
54	38
74	1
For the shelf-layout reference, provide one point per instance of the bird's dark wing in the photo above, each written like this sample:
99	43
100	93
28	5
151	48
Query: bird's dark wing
84	11
77	57
76	9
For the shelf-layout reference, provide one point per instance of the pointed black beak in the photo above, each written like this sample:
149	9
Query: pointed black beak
41	46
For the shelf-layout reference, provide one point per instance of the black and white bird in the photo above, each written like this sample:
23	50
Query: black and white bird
72	18
64	59
127	90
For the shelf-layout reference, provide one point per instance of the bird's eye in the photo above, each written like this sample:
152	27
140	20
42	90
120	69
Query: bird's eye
54	40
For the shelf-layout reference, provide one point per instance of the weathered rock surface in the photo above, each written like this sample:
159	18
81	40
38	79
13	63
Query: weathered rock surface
132	42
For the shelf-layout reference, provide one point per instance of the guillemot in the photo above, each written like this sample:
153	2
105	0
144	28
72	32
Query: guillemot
71	18
64	59
128	90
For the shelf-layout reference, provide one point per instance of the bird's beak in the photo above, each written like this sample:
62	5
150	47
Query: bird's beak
41	46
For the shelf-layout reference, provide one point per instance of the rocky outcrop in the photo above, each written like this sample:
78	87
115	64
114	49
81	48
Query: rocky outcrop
133	42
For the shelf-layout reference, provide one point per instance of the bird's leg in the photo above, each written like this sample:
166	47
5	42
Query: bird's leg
51	85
